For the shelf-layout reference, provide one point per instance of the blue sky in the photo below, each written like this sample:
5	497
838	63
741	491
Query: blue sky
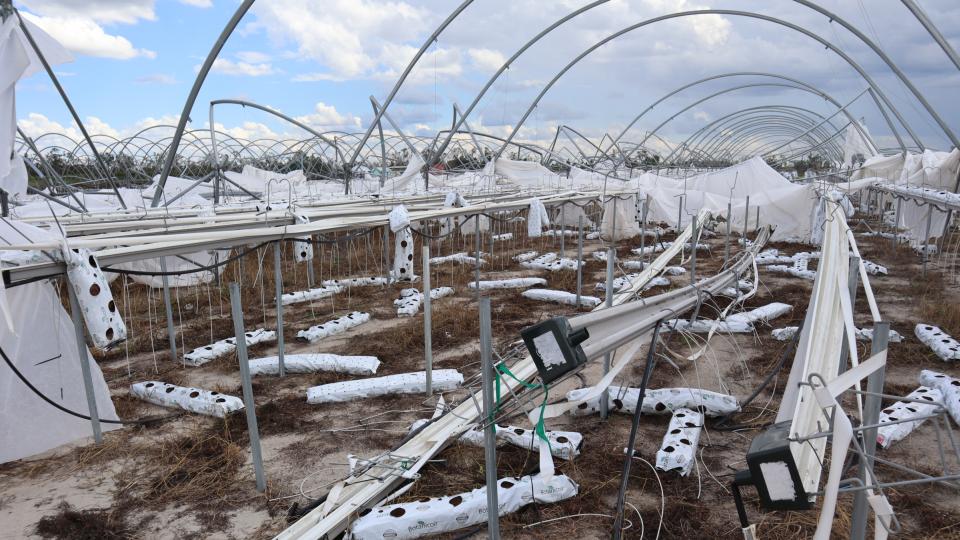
319	60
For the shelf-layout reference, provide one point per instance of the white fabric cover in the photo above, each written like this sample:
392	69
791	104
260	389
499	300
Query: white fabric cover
444	514
949	388
336	326
679	448
626	221
947	348
310	294
100	314
513	283
443	380
313	363
529	174
537	218
44	350
657	401
187	398
179	263
905	410
207	353
561	297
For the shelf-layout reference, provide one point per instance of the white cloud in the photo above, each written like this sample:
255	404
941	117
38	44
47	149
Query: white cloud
36	124
253	57
486	59
249	131
84	36
326	117
229	67
702	116
315	77
198	3
156	78
102	11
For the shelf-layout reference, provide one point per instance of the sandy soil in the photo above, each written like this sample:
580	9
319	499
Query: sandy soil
191	477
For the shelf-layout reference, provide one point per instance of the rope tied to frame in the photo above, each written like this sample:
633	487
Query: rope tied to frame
539	429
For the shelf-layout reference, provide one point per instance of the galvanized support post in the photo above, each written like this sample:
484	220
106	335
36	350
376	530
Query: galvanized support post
896	224
476	247
427	318
853	282
608	302
278	279
756	225
563	229
386	253
171	334
926	239
489	432
311	279
694	237
84	357
871	416
248	403
643	226
746	220
726	239
579	259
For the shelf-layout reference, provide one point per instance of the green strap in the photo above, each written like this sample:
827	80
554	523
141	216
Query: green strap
540	430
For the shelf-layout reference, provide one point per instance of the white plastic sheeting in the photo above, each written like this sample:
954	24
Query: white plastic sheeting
561	297
563	444
187	265
537	218
797	269
679	448
189	399
947	348
44	350
410	299
907	410
444	514
309	295
207	353
658	401
404	383
100	314
624	225
761	314
336	326
660	246
528	174
949	389
313	363
512	283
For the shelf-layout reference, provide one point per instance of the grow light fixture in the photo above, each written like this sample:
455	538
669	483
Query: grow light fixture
555	347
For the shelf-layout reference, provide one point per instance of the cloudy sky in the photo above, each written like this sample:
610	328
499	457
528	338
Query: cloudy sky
320	60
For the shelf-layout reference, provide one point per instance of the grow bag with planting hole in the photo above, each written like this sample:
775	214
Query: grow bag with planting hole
336	326
202	355
189	399
679	449
404	383
313	363
658	401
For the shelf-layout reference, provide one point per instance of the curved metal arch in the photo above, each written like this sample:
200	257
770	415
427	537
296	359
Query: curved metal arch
742	131
798	82
869	80
274	112
715	135
830	149
716	124
738	144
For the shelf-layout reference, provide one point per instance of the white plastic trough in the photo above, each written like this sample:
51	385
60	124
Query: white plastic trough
444	514
949	389
309	295
189	399
513	283
947	348
333	327
658	401
907	410
313	363
404	383
679	448
561	297
202	355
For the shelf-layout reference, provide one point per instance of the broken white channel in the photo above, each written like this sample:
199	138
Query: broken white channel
410	299
189	399
404	383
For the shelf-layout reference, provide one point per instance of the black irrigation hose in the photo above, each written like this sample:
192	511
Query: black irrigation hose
43	396
722	421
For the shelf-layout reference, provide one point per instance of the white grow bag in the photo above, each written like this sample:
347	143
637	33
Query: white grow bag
525	256
188	399
313	363
410	299
949	389
561	297
679	448
947	348
657	401
761	314
627	280
336	326
444	514
202	355
462	258
99	311
703	326
563	444
907	410
514	283
863	334
355	282
309	294
404	383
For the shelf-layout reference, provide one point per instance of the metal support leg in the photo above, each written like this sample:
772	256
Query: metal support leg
853	282
386	253
726	240
926	239
871	416
171	334
311	279
694	237
896	225
84	356
634	427
278	278
643	226
476	247
608	302
563	229
489	432
579	259
248	403
746	220
427	318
